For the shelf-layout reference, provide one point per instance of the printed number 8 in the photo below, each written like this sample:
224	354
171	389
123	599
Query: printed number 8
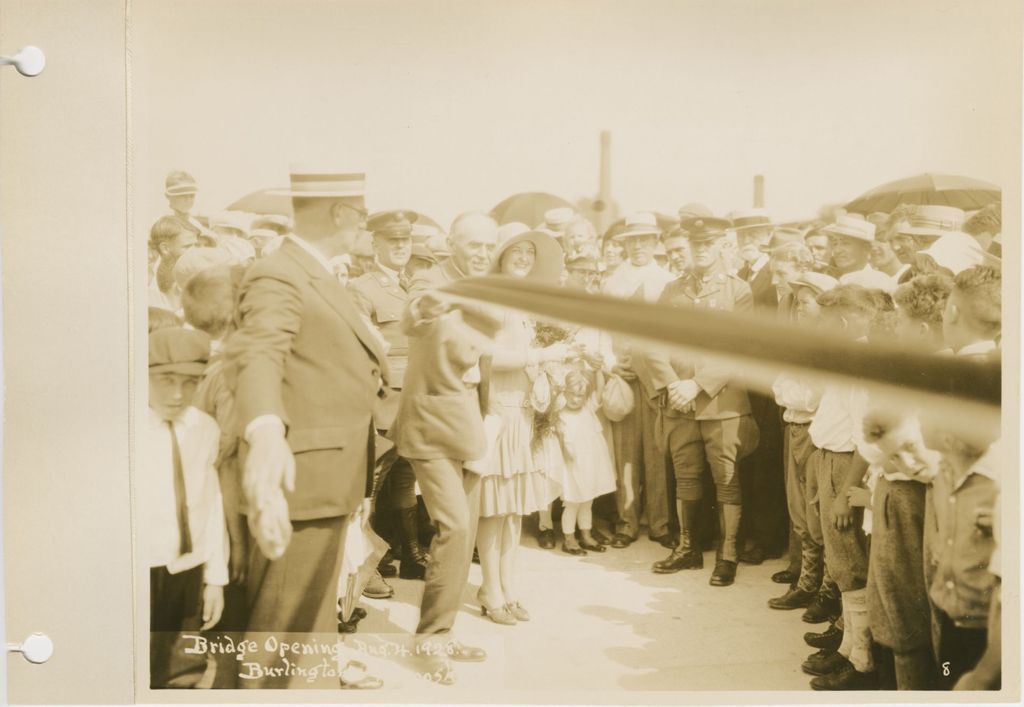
945	669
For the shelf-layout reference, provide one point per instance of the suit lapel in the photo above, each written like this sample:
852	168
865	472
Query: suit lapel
336	295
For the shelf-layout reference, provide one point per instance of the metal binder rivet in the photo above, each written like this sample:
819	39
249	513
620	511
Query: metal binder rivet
29	61
37	648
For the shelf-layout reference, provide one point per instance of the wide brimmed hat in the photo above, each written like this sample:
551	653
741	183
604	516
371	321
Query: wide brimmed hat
694	210
310	182
750	218
932	220
547	266
512	229
705	228
852	228
784	236
178	350
392	224
642	223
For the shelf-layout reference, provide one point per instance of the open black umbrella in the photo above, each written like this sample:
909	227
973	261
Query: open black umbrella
528	207
941	189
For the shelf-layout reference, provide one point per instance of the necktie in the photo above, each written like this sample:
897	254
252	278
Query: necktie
180	499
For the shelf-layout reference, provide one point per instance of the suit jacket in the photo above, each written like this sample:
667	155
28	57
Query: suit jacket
439	415
383	301
303	353
718	399
764	292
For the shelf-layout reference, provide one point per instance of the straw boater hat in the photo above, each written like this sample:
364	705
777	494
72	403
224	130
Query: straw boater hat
555	220
641	223
932	220
180	183
852	227
309	182
547	267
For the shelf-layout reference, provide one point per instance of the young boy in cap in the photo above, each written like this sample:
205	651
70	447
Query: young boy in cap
183	537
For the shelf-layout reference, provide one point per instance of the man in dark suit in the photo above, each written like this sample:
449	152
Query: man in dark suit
765	520
439	428
309	372
705	418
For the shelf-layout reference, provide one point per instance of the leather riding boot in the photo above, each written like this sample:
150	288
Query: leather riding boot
687	555
414	560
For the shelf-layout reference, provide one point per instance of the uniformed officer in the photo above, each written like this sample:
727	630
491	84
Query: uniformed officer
381	294
705	418
180	189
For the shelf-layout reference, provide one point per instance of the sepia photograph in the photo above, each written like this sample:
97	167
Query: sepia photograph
577	351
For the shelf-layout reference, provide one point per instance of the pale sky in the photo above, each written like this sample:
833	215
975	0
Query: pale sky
451	106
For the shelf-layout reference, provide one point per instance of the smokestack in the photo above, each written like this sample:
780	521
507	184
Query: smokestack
758	191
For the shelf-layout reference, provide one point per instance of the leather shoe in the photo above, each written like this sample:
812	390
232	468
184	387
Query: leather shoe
377	588
793	599
753	555
595	546
785	577
600	537
573	549
680	559
846	678
724	574
826	605
668	540
830	638
621	540
546	539
824	662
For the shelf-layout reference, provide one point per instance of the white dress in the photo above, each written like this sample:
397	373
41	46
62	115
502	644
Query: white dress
588	471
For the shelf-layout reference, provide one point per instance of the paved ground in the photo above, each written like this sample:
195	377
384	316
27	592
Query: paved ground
605	623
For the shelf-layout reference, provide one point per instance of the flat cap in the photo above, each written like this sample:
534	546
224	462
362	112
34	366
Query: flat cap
178	350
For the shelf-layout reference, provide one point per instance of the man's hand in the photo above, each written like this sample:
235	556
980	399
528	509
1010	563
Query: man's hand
213	605
593	359
842	513
623	371
681	394
858	496
430	306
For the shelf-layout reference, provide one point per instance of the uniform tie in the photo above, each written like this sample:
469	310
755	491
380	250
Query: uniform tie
180	499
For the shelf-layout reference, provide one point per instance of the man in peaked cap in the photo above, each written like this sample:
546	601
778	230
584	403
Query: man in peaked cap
309	373
639	460
706	418
381	294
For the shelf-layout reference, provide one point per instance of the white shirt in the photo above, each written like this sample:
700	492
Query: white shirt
629	278
756	266
198	441
798	398
839	418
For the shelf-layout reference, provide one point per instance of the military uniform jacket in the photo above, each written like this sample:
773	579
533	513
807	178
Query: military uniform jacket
381	298
302	352
719	398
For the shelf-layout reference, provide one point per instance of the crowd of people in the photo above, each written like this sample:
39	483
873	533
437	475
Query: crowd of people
307	368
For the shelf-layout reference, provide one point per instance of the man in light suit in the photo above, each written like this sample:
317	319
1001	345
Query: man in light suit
440	425
309	372
706	418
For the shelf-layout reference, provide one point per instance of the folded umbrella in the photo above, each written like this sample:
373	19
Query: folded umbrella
362	552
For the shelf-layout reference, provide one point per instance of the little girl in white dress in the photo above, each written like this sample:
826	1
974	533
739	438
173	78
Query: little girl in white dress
588	465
